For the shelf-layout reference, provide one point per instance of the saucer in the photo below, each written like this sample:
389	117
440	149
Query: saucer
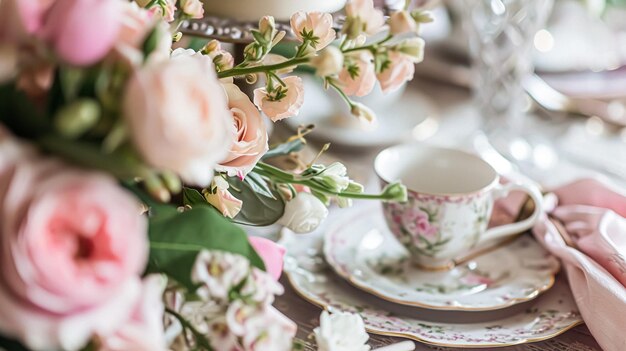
550	315
363	251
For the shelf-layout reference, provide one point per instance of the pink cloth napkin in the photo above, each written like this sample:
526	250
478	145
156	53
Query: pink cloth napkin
593	215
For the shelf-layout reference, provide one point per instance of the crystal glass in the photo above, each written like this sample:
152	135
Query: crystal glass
501	35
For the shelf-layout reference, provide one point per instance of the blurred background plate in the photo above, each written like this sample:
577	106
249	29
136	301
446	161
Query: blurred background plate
399	115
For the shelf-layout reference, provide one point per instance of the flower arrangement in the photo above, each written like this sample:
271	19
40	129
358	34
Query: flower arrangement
126	167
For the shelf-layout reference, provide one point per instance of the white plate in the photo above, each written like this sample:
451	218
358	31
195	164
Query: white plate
398	116
545	317
362	250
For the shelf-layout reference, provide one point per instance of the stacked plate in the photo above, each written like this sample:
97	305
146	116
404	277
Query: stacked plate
504	296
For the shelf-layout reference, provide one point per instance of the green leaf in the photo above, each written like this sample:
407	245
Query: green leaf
193	197
21	115
150	42
11	345
257	209
176	240
284	149
258	184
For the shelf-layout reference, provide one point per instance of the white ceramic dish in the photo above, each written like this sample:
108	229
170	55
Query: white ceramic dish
363	250
548	316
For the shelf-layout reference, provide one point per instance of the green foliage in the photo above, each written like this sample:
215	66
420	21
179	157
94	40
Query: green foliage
176	238
192	197
284	149
20	115
257	209
11	345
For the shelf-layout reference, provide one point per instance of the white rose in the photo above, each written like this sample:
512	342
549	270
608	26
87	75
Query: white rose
341	331
178	117
303	213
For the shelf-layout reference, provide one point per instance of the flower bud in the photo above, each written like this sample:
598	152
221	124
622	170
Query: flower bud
334	177
328	62
192	8
76	118
363	112
421	16
395	192
303	213
413	48
220	198
401	22
267	27
211	47
353	27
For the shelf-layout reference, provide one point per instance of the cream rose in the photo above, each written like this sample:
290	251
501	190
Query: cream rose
178	117
249	134
364	80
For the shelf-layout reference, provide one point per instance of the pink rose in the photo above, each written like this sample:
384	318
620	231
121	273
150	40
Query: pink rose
371	18
271	253
192	8
220	198
82	31
283	102
363	82
249	134
317	24
165	12
399	71
137	24
72	246
144	330
178	117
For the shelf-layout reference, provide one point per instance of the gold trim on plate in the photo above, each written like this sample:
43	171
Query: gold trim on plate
306	296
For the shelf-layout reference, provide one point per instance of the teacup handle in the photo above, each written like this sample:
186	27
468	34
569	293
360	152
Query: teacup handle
516	227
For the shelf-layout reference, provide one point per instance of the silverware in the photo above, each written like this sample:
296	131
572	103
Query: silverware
610	112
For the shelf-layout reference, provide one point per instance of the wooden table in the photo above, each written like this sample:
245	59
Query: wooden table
359	162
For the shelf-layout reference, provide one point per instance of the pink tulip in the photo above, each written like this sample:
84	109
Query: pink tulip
82	32
271	253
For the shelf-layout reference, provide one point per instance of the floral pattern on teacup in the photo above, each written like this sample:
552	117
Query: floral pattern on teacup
420	224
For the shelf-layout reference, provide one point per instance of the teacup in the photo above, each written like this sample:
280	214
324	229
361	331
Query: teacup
450	199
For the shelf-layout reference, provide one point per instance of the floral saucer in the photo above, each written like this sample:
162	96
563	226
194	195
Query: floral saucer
363	251
550	315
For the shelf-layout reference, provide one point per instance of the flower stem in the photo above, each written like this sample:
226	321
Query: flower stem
341	93
262	68
281	176
371	47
